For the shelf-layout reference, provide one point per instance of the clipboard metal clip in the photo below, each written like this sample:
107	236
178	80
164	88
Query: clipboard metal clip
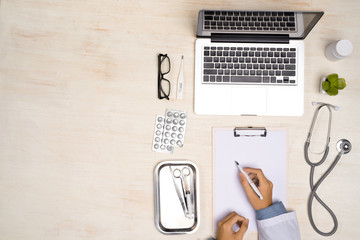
250	132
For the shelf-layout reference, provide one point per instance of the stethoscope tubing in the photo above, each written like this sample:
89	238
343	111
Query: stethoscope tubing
313	193
313	125
313	187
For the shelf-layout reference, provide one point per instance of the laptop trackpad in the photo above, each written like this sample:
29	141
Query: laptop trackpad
249	101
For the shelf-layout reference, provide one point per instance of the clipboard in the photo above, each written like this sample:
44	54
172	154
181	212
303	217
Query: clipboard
252	147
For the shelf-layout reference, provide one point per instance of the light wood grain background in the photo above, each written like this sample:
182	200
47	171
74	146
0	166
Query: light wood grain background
78	82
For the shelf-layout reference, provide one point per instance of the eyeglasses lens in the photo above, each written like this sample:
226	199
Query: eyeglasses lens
165	65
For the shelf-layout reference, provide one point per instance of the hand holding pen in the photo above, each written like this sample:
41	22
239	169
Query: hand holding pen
259	192
263	184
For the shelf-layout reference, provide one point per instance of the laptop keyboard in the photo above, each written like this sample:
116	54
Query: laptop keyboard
249	21
249	65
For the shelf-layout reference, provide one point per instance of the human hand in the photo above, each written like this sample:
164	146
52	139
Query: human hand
264	185
225	231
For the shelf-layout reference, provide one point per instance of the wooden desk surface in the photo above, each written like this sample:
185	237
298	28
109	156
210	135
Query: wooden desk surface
78	104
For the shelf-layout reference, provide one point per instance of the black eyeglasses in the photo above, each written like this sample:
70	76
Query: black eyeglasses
163	83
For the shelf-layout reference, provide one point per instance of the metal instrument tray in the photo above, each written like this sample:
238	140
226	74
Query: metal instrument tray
169	213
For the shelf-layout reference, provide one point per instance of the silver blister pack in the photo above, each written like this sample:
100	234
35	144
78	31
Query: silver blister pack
158	145
169	131
175	125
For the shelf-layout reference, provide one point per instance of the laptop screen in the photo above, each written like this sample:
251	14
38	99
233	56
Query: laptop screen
294	24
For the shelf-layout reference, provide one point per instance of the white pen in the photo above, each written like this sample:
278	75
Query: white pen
252	184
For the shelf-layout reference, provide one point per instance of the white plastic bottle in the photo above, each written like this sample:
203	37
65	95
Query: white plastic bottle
339	50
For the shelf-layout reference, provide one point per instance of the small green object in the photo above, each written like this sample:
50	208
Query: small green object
333	84
340	84
332	77
333	91
326	85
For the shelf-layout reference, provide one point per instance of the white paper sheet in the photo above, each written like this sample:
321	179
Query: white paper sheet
267	153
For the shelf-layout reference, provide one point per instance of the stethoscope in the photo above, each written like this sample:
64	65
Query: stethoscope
343	146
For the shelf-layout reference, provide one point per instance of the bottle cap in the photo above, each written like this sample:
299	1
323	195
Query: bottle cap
344	48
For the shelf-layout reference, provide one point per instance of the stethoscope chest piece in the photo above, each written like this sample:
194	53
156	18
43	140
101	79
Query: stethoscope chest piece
343	145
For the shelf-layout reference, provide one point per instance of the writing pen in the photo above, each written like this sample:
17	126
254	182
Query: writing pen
252	184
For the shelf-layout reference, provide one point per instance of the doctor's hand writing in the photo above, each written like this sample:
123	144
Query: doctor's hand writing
264	185
225	231
277	228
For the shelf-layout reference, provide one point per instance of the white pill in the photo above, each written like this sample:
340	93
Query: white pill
156	146
162	147
175	121
160	119
176	115
181	129
169	148
183	115
169	114
179	143
168	120
158	132
180	136
167	134
172	142
182	122
157	139
158	126
174	128
173	135
168	127
166	141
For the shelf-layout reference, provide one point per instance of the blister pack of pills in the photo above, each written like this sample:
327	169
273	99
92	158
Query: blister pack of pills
169	131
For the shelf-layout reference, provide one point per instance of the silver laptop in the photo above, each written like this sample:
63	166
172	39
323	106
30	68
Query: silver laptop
251	62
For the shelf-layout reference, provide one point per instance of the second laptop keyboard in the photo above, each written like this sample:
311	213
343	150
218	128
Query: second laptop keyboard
249	65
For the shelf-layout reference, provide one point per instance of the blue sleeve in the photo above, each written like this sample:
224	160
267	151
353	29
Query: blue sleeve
272	211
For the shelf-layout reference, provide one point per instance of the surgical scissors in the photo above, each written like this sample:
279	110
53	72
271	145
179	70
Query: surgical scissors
184	176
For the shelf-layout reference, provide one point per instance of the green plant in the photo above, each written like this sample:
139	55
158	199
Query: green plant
333	84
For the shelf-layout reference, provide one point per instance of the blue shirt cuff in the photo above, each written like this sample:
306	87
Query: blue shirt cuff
272	211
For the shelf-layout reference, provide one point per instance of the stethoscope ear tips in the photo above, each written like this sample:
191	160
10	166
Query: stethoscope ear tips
336	108
343	145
